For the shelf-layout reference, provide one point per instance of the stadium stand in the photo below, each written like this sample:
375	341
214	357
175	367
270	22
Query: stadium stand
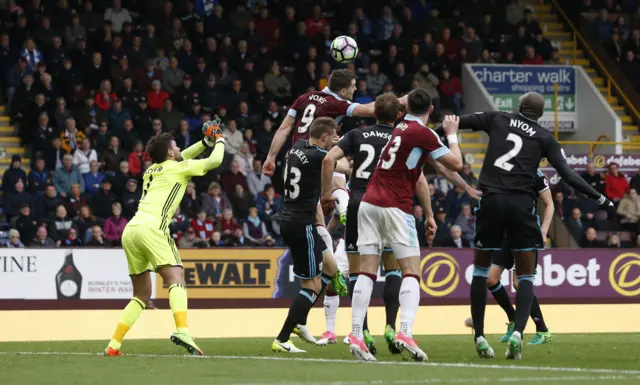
86	83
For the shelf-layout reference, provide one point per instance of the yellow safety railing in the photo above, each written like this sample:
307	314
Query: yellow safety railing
577	36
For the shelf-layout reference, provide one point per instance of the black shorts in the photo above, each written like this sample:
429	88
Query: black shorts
306	247
511	215
351	227
504	258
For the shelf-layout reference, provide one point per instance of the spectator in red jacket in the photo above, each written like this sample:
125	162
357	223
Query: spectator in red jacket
203	226
531	57
232	177
146	75
105	95
451	44
157	96
137	158
450	91
265	24
616	185
227	225
316	22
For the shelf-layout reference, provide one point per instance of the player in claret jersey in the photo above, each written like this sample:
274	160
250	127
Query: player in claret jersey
364	146
332	102
385	217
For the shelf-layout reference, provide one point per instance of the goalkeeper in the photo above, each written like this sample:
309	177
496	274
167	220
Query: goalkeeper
146	239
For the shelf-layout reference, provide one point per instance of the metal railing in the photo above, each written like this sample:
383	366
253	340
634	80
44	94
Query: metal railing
577	36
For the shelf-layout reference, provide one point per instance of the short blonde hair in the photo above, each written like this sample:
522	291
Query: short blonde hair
14	233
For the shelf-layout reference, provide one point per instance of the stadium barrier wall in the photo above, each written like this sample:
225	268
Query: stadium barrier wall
249	291
233	275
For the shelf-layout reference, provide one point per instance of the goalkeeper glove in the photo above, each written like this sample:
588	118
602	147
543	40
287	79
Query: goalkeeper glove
212	132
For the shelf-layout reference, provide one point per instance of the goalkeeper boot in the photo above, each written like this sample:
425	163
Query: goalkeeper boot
514	351
390	338
484	349
511	326
186	341
285	347
370	342
541	338
303	332
110	352
339	285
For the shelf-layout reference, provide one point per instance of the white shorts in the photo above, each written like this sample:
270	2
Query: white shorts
341	257
390	226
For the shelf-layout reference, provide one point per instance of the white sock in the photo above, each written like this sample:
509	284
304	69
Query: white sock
409	303
341	258
343	200
360	303
331	305
326	237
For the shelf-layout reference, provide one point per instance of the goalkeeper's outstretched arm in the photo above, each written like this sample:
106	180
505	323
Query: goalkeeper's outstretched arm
199	167
193	151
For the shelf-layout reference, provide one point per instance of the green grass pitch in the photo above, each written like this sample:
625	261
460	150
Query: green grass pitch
569	359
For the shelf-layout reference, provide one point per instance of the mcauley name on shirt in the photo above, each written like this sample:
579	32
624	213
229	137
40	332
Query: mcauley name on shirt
301	155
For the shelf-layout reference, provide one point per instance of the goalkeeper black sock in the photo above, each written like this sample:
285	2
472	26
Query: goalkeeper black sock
479	298
297	313
391	296
524	299
501	296
536	316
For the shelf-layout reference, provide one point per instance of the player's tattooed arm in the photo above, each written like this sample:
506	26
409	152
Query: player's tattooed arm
547	216
455	178
279	138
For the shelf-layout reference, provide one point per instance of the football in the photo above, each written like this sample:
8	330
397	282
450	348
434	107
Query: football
344	49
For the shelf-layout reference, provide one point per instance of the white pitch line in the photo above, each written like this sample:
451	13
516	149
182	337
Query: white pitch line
459	380
339	361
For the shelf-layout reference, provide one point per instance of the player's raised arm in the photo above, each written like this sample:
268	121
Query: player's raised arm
451	159
328	168
208	140
279	138
361	110
555	155
547	216
213	137
455	178
422	192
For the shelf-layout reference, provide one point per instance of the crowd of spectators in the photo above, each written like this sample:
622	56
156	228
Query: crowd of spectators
616	25
590	227
87	83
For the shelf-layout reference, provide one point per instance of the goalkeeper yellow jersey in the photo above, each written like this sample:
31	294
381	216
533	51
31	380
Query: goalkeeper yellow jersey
164	183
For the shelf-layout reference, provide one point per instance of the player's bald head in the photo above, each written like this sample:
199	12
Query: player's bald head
532	105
